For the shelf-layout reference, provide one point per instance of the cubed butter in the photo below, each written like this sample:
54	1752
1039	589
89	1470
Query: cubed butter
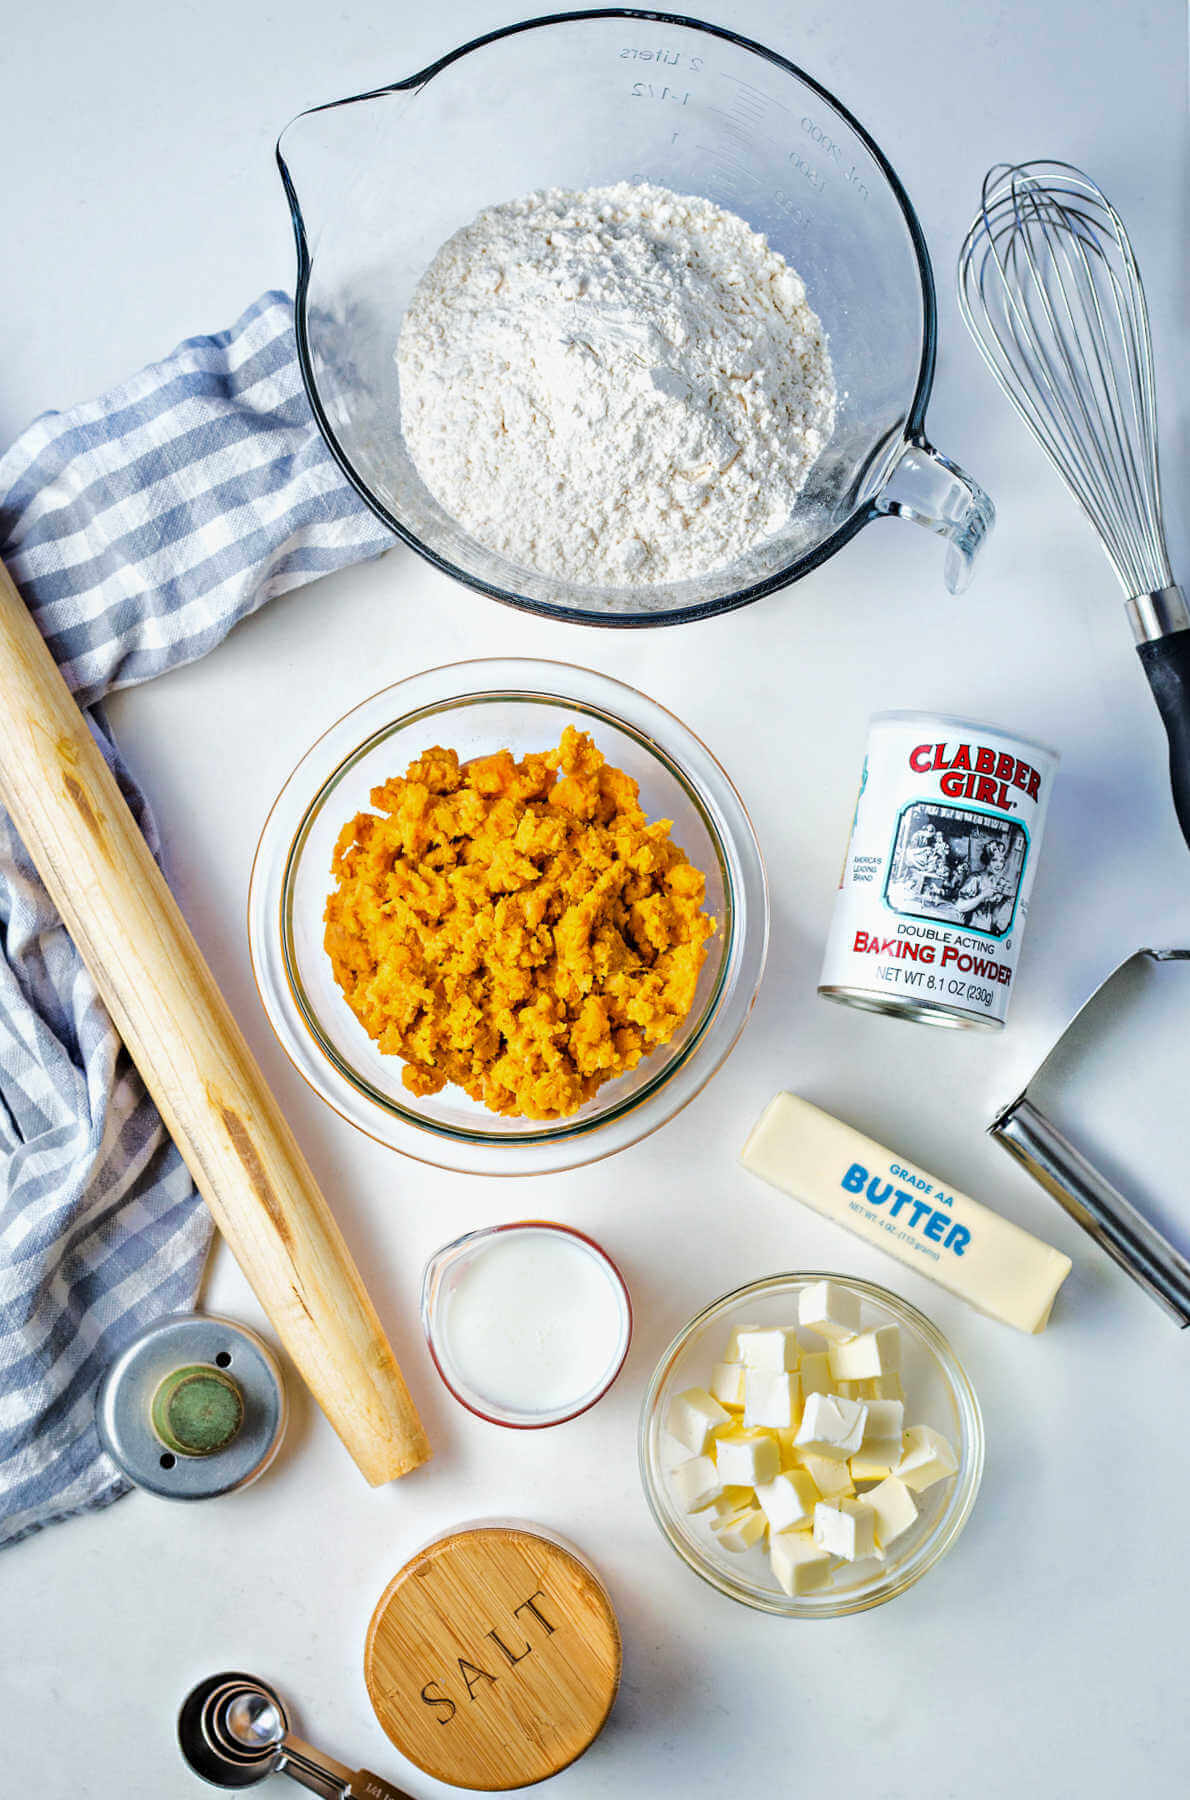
884	1424
771	1347
798	1563
882	1387
741	1531
875	1463
788	1501
880	1451
845	1528
771	1401
830	1310
832	1425
895	1510
727	1384
815	1372
696	1483
927	1458
832	1478
732	1352
853	1180
791	1456
732	1500
693	1416
872	1353
747	1458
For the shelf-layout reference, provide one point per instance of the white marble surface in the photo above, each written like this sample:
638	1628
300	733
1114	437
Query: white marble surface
1045	1655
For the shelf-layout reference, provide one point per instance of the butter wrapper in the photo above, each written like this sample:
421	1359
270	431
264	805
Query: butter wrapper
963	1246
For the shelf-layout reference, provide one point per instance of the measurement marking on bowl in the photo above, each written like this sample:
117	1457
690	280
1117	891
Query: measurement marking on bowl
743	131
744	117
668	58
644	90
833	151
730	167
812	176
756	93
790	208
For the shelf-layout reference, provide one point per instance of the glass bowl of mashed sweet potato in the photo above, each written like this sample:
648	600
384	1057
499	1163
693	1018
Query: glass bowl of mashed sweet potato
568	845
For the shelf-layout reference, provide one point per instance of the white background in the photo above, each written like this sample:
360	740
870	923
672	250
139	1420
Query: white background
1046	1654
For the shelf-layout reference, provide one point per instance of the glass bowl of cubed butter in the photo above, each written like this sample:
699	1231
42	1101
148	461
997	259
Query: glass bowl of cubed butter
810	1445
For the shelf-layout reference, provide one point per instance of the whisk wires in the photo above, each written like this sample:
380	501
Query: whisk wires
1051	292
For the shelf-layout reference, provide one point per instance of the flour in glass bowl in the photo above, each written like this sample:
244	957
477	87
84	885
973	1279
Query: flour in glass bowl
618	386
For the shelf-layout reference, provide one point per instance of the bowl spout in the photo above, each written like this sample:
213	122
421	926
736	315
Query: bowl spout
321	152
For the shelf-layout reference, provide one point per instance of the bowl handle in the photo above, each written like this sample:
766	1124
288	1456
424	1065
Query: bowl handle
928	488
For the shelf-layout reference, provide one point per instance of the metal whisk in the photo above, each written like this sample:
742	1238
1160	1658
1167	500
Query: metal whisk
1051	292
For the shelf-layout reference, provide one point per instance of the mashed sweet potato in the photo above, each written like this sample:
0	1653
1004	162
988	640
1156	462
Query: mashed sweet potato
517	928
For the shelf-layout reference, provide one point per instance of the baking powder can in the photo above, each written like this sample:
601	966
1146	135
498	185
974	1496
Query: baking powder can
939	868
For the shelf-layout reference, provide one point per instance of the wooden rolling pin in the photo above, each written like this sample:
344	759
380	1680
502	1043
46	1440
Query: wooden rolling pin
192	1055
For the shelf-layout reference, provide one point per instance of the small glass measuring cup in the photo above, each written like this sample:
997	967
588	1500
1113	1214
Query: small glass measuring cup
476	1357
377	183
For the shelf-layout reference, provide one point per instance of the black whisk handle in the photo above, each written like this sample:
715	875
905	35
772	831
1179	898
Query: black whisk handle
1166	662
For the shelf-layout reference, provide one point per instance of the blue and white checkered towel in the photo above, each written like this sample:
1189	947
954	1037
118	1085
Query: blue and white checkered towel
140	528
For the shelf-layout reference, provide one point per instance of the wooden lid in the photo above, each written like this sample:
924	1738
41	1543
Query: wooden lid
493	1658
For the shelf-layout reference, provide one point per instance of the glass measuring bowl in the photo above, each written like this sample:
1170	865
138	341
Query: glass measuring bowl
378	182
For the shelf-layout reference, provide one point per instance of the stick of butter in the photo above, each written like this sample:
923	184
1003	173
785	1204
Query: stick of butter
958	1243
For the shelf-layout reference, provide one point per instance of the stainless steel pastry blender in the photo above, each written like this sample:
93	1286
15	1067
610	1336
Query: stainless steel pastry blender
1091	1099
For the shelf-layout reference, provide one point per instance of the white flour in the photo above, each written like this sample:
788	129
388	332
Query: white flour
614	386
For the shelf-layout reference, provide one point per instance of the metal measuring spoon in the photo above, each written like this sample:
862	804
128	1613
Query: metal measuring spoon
233	1730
